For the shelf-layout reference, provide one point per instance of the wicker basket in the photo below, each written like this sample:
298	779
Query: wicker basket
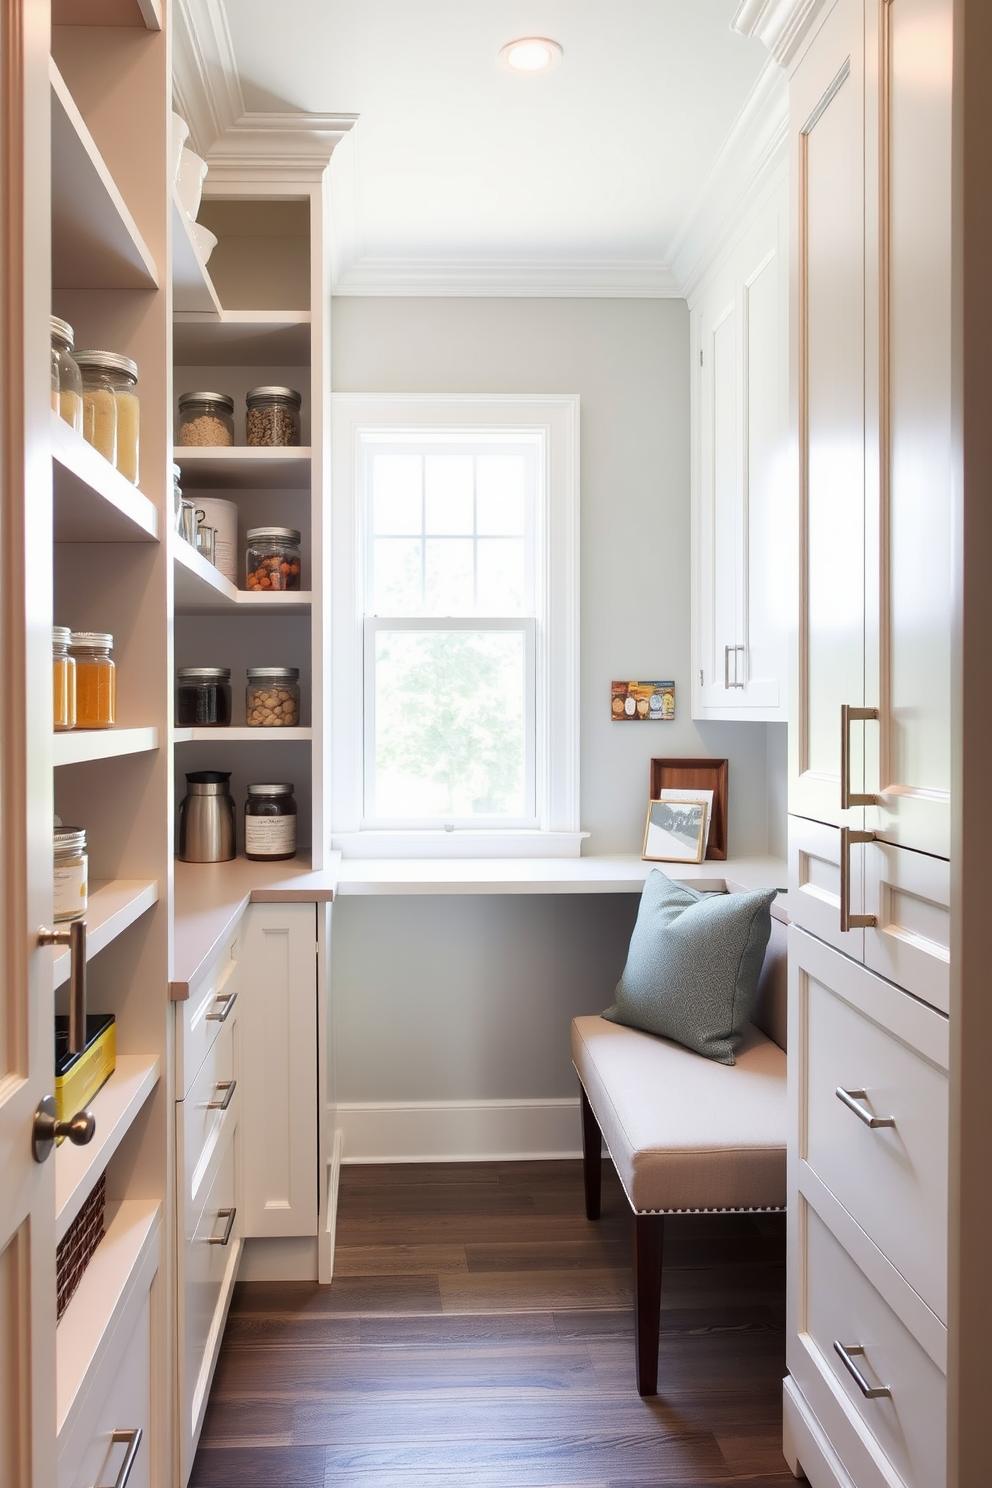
78	1244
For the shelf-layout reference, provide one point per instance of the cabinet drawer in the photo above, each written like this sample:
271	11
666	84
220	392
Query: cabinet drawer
842	1305
211	1104
858	1034
202	1015
126	1409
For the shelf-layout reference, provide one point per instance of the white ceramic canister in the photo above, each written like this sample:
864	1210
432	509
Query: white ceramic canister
222	516
71	872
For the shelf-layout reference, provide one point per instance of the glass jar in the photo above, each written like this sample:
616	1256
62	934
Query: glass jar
206	542
273	560
272	698
203	697
63	678
177	495
270	823
67	381
124	377
273	416
96	679
99	402
71	872
206	420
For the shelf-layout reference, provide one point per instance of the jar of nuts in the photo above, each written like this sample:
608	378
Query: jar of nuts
273	416
206	419
272	699
273	560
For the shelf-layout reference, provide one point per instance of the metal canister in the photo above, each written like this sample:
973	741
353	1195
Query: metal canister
206	818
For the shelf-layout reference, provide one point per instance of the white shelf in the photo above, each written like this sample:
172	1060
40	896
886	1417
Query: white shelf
112	907
77	746
112	1288
93	502
147	13
114	1109
95	240
201	589
192	286
241	338
239	467
241	735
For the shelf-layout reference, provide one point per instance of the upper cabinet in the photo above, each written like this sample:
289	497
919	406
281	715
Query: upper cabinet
743	580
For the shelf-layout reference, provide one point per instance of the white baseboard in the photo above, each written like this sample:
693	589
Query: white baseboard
457	1131
287	1258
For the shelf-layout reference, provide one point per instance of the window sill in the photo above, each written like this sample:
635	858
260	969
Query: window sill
462	843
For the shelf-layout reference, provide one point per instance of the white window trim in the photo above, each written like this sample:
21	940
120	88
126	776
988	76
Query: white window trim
354	417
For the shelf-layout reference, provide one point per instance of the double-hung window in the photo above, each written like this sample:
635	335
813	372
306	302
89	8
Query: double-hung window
455	646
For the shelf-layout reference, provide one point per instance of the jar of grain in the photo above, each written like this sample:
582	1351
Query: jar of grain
273	560
125	384
203	697
99	402
71	872
273	416
67	382
270	823
272	699
63	678
96	679
206	419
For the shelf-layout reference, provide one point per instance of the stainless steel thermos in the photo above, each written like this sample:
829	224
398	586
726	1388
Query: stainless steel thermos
206	818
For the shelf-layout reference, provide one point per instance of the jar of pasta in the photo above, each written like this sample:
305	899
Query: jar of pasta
63	678
67	382
270	823
71	872
124	377
273	560
96	679
99	401
205	420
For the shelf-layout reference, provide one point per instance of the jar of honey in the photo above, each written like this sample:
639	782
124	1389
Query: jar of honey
96	679
63	678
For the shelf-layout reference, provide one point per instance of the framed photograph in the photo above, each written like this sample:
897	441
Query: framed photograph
703	797
675	832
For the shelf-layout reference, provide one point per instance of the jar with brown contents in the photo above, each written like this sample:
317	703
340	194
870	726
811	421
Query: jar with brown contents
273	560
272	699
273	416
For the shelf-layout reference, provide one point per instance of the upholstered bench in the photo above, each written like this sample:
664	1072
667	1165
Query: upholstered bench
686	1134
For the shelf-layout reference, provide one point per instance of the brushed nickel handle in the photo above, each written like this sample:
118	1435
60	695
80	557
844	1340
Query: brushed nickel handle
46	1128
133	1439
228	1087
726	668
727	684
228	999
72	935
870	1392
229	1215
852	1099
849	715
849	921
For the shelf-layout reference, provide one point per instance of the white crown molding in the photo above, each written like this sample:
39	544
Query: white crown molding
471	278
782	25
755	150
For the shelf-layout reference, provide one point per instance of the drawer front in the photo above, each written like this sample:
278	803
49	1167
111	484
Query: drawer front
909	893
909	1423
127	1408
211	1104
203	1014
814	884
892	1179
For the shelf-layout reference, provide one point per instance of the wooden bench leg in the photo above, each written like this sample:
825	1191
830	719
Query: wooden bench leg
649	1233
592	1157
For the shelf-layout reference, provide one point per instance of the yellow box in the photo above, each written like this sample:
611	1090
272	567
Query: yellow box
78	1077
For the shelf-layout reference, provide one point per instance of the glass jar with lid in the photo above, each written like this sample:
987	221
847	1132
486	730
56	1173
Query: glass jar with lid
203	697
273	560
124	380
206	420
67	381
96	679
63	678
273	416
71	872
272	698
99	402
270	823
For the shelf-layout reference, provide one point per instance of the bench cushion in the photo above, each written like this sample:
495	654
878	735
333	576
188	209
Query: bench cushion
685	1132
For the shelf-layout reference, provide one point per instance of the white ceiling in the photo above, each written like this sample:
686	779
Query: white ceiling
459	170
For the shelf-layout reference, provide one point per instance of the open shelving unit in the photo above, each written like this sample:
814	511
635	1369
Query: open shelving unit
113	907
114	1108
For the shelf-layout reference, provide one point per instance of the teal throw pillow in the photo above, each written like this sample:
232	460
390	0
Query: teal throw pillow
693	965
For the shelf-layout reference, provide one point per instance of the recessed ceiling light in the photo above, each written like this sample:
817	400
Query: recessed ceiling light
530	54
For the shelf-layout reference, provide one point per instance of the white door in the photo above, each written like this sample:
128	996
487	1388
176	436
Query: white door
27	1188
829	314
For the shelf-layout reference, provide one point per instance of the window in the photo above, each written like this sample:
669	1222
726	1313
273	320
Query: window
455	637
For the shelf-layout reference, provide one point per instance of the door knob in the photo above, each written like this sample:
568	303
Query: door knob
47	1127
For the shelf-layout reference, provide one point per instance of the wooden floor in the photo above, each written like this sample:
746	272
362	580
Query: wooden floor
479	1332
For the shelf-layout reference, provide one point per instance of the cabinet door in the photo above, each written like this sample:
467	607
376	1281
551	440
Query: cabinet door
279	1060
827	103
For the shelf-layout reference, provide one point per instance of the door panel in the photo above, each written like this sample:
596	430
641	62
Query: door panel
909	893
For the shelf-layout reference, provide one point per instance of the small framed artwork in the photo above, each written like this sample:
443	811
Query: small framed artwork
642	702
675	832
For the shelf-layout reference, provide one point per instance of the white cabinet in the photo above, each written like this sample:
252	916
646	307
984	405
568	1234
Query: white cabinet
742	579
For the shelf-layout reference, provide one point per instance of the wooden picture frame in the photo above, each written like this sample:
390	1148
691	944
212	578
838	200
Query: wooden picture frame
697	774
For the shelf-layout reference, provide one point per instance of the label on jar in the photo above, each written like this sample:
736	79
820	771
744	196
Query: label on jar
70	890
270	836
